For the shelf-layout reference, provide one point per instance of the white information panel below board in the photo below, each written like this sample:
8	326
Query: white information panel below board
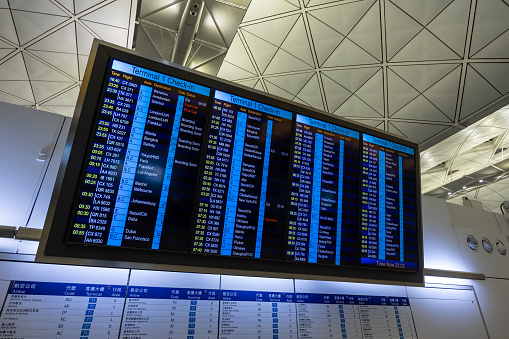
171	305
58	301
257	308
85	303
345	310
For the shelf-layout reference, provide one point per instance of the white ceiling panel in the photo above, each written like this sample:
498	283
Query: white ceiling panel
490	22
39	71
325	39
20	89
347	54
400	92
371	92
415	130
122	10
30	25
239	56
249	83
276	90
296	46
261	50
232	72
7	28
45	89
400	28
5	51
292	83
497	74
39	6
259	9
308	93
451	25
66	62
422	77
67	4
13	69
425	46
421	109
116	35
350	13
273	31
495	49
62	40
285	62
477	93
422	11
53	44
355	107
335	93
259	86
82	5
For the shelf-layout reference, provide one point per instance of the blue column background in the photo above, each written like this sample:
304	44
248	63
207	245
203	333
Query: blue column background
233	185
381	205
167	173
340	200
129	169
315	200
401	223
263	192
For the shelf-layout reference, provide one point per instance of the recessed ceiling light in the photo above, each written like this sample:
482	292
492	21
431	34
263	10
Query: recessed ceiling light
449	193
481	180
464	187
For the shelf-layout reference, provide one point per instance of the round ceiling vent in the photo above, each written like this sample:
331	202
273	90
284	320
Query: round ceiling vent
487	245
501	248
472	243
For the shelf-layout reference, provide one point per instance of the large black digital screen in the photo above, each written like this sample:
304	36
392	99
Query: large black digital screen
389	206
324	194
165	165
142	162
241	209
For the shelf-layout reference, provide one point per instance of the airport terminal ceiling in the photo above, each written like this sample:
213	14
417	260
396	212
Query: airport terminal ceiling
423	70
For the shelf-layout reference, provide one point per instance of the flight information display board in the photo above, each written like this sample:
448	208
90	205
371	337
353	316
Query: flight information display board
389	207
324	201
243	190
142	162
170	166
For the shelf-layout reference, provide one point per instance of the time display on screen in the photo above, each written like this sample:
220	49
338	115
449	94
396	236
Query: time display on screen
389	208
241	209
324	194
171	166
143	163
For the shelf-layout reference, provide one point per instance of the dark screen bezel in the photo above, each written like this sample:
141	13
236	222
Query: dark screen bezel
69	173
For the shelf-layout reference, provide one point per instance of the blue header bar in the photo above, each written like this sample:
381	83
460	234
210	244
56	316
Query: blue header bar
227	295
172	293
252	104
159	77
67	289
388	144
327	126
339	299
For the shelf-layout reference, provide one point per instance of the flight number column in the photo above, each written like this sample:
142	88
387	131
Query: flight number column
301	195
370	203
109	148
215	182
129	169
